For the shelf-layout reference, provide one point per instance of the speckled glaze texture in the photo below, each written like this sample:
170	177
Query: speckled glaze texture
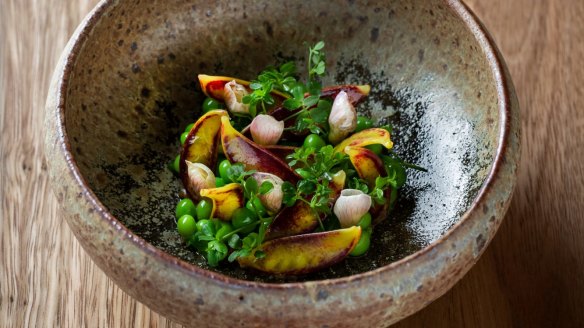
126	86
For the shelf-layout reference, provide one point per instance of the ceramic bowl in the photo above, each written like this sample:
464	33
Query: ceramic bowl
126	86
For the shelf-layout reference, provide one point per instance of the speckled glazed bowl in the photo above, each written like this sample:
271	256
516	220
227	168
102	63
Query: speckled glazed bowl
126	86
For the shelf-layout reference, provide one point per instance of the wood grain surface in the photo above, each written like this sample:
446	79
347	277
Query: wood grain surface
532	275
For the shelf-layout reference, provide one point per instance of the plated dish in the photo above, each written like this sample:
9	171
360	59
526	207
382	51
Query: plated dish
288	179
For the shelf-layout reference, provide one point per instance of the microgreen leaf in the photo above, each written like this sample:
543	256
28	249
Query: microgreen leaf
321	113
266	187
289	194
359	184
319	69
197	242
205	237
237	173
314	87
254	86
216	251
319	45
310	101
292	103
270	79
234	241
316	58
218	246
250	240
306	187
250	186
234	255
288	68
316	171
298	91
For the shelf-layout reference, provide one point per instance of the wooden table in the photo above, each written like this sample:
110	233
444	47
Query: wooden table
531	275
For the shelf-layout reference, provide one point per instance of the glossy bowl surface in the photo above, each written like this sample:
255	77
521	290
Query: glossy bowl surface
126	86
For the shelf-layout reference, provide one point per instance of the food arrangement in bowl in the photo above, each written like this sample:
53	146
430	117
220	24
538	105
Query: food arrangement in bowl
302	190
424	74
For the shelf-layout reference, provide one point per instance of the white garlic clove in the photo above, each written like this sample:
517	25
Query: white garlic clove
343	118
272	200
233	94
266	130
200	177
351	206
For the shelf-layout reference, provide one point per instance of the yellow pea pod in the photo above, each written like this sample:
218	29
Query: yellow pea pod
300	218
213	86
239	149
367	164
303	253
201	145
365	138
225	200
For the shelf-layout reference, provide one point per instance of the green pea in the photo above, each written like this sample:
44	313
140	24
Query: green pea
210	104
189	127
315	141
259	207
176	164
363	123
243	217
219	182
185	207
183	137
186	226
224	170
204	209
365	221
376	148
363	244
223	230
207	227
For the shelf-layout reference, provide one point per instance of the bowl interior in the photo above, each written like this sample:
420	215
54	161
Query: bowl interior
133	89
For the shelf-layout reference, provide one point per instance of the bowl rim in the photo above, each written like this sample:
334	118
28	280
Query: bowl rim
497	68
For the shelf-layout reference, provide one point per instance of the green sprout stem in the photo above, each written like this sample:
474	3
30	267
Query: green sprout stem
240	229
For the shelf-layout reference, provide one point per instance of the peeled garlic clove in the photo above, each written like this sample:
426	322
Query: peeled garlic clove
233	94
351	206
266	130
199	177
273	199
343	118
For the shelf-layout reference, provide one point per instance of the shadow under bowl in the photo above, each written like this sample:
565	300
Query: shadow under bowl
126	87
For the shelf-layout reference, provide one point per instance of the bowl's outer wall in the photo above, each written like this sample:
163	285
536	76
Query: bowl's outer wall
424	45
